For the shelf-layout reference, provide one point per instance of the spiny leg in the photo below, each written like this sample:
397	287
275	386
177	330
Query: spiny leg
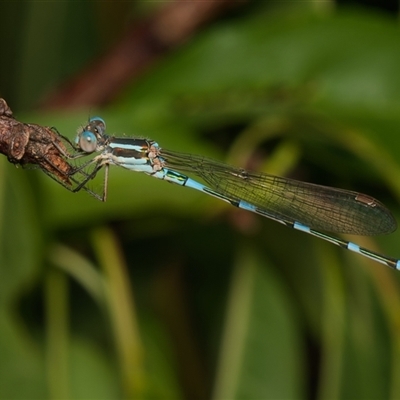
88	177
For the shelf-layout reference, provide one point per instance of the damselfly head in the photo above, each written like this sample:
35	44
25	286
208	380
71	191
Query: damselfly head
90	136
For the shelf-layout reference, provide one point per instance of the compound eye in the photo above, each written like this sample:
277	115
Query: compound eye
86	141
98	124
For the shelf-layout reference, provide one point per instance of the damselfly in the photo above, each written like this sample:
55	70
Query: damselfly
303	206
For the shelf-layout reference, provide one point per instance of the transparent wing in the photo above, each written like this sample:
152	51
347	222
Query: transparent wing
319	207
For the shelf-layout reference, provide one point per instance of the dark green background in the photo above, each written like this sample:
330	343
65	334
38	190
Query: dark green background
165	293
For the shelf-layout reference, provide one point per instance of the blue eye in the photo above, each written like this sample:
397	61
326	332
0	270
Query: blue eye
86	141
98	124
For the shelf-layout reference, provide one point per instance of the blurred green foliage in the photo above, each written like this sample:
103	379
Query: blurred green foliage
164	293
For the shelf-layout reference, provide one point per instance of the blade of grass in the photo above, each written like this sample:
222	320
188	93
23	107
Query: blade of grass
122	311
82	270
56	295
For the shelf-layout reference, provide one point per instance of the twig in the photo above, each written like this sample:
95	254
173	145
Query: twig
142	45
33	144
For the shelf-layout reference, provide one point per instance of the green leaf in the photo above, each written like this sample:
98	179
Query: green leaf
260	353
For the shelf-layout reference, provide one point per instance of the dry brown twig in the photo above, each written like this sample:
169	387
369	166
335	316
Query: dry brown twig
34	144
143	44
